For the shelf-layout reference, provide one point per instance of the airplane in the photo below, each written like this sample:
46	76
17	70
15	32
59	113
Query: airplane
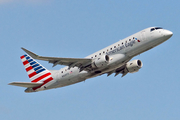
112	59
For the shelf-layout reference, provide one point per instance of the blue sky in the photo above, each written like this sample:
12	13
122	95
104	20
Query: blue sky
64	28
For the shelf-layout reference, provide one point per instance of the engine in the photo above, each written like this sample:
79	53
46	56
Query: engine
100	61
134	66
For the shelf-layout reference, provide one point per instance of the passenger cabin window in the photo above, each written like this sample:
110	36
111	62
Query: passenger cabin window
114	46
99	53
111	48
103	51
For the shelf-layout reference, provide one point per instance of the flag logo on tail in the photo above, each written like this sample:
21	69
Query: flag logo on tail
35	71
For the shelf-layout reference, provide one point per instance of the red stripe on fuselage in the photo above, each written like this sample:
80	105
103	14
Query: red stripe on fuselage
41	77
25	62
46	81
29	68
32	74
22	57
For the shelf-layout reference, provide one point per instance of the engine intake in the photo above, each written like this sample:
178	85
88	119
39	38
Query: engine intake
134	66
100	61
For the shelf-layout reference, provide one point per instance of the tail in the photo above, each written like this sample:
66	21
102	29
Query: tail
35	71
38	75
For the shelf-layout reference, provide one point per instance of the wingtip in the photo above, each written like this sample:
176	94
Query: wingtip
33	55
9	83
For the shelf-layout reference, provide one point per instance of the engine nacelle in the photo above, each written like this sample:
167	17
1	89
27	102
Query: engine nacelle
100	61
134	66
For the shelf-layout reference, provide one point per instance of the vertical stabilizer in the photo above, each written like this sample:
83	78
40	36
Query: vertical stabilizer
35	71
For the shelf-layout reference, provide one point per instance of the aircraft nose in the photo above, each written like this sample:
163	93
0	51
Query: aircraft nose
168	33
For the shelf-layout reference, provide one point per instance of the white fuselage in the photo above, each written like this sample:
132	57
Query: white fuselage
119	53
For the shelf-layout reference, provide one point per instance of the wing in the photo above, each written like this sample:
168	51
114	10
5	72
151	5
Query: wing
121	70
71	62
26	84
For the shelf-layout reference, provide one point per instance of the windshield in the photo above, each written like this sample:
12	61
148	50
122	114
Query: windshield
156	28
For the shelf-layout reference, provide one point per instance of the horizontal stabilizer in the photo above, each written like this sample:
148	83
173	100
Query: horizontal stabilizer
26	84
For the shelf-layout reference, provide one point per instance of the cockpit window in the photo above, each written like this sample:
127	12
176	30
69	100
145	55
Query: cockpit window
152	29
156	28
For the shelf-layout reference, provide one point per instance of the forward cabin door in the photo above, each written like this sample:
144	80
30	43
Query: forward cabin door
143	35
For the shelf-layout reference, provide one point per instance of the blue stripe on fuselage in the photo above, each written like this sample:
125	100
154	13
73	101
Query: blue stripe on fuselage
40	70
35	65
39	67
32	63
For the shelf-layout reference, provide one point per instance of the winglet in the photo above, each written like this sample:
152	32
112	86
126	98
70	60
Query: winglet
33	55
